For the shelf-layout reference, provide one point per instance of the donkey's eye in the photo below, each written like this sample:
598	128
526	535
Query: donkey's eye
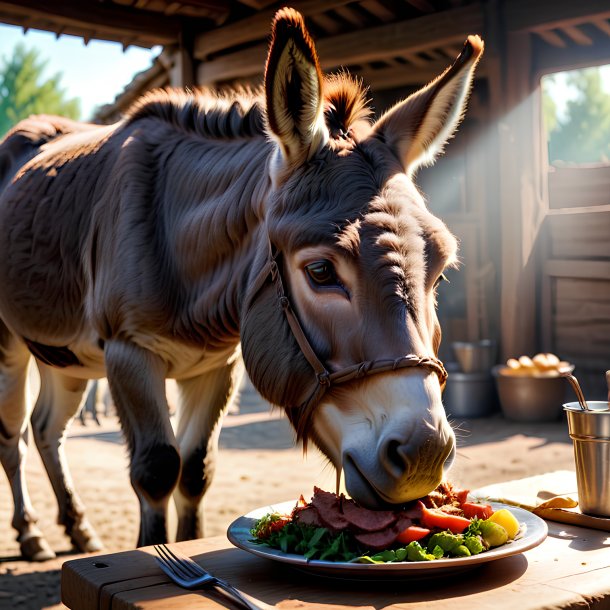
441	278
322	273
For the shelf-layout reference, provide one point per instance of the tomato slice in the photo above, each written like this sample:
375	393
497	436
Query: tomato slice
461	495
474	509
435	518
413	532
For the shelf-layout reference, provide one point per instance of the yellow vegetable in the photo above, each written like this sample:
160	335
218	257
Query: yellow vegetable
507	520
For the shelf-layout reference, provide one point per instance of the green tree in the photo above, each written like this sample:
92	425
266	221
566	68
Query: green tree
583	136
25	91
549	107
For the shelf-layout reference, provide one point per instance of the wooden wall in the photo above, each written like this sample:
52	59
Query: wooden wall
575	315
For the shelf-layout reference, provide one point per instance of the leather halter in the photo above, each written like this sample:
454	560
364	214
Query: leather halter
325	378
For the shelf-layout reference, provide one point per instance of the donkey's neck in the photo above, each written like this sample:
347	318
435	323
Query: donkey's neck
214	213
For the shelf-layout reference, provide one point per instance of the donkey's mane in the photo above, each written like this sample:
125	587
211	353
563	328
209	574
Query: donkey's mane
239	113
230	114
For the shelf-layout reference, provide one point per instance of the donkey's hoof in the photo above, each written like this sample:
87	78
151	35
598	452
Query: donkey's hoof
84	538
36	548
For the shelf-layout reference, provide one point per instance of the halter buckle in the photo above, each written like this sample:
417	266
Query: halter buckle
324	378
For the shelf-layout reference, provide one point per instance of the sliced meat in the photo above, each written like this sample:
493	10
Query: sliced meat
307	516
402	523
329	509
413	511
367	520
377	541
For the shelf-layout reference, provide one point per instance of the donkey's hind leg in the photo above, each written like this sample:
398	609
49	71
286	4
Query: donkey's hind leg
203	401
14	418
58	402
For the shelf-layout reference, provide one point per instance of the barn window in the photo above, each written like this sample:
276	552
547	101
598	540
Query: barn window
576	111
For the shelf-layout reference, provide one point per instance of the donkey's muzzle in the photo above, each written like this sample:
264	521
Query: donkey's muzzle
402	471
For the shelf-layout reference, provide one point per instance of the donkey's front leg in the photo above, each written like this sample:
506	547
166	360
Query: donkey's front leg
137	382
203	401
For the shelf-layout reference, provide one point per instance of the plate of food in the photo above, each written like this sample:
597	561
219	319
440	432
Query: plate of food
444	533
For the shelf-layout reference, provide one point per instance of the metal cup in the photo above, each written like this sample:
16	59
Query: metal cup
590	434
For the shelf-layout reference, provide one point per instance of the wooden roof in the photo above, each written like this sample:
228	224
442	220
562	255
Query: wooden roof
388	42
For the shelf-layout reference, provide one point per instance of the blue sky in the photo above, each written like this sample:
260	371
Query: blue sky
95	73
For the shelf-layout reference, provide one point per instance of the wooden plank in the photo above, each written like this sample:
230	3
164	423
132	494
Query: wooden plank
377	43
583	352
583	311
525	15
111	19
575	269
253	28
582	236
569	288
582	186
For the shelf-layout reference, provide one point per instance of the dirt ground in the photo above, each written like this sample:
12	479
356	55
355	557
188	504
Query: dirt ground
258	465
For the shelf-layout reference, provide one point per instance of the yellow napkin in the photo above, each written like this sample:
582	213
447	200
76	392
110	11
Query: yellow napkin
551	496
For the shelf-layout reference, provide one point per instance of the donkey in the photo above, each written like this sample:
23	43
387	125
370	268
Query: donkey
280	229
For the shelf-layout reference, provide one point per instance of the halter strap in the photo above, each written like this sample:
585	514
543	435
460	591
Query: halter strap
325	378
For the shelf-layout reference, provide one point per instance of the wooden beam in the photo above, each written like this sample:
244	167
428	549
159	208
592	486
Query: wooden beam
254	28
553	38
378	9
525	15
399	76
422	5
351	16
549	59
603	26
372	44
111	19
522	183
257	4
577	35
329	25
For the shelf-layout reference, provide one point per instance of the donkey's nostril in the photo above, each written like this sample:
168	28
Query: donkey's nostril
395	458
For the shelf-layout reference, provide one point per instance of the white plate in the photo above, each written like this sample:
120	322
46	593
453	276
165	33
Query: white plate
534	531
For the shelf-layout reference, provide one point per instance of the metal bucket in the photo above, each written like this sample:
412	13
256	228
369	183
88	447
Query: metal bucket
475	357
469	394
590	433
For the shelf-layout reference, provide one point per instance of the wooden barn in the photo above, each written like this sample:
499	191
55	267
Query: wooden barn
535	239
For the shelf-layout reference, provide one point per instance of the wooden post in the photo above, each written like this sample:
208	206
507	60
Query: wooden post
523	198
183	73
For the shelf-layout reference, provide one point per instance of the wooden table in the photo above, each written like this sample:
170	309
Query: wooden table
570	569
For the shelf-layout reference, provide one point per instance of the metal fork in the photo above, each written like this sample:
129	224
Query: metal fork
190	575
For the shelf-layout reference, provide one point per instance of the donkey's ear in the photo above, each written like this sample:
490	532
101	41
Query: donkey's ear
293	88
418	127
